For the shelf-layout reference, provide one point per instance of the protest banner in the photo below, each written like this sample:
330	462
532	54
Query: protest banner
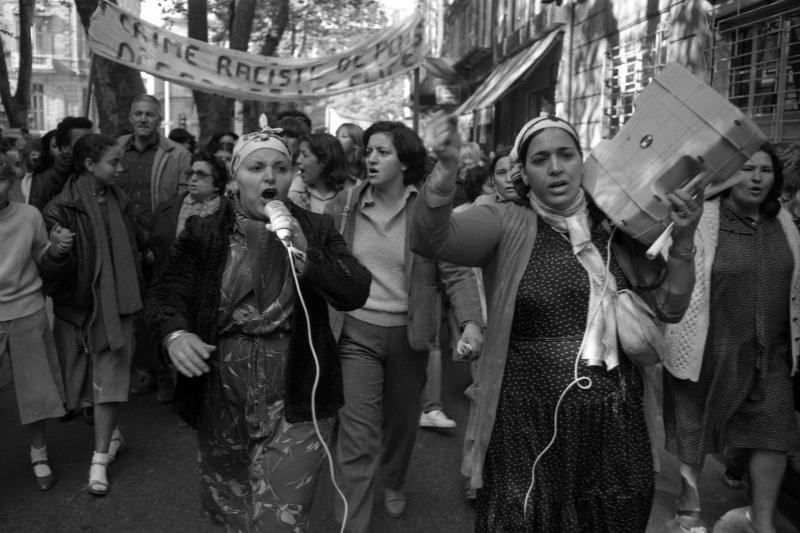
123	37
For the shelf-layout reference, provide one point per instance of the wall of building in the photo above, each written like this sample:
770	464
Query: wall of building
600	27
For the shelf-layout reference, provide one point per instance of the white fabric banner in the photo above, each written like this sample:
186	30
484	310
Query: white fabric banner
123	37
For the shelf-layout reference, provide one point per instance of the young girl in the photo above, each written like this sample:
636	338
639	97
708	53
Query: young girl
96	295
25	334
323	172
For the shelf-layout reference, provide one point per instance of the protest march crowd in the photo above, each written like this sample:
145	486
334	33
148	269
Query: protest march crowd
292	293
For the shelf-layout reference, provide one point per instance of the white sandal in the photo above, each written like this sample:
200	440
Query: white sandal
98	474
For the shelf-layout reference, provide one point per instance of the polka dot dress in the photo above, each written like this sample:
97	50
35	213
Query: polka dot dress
597	476
744	396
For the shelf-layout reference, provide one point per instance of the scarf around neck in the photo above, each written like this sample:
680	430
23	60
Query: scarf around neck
267	257
116	278
599	343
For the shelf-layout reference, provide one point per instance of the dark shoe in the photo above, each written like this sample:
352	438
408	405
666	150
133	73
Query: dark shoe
88	415
44	483
142	382
69	415
395	502
733	481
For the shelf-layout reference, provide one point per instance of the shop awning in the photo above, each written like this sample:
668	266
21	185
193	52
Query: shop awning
503	78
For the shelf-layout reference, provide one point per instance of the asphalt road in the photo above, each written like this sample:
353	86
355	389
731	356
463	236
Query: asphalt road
154	481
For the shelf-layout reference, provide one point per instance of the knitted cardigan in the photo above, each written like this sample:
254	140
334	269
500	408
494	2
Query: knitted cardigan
686	340
187	296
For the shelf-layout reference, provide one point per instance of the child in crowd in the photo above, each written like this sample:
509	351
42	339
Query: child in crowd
96	295
25	335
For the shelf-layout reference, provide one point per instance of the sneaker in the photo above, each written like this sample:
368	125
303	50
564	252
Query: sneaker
436	419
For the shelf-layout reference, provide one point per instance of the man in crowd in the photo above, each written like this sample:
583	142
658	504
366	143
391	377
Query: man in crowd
154	168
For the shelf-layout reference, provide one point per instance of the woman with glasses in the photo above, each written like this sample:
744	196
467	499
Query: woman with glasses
206	180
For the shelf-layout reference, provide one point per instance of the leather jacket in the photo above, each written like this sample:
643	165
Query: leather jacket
71	285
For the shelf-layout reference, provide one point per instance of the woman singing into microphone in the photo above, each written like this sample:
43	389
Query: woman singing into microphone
228	310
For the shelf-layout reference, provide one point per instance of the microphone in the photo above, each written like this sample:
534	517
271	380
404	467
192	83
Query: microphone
273	210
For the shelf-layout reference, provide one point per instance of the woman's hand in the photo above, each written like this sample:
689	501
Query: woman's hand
444	140
188	353
285	221
470	343
685	215
60	240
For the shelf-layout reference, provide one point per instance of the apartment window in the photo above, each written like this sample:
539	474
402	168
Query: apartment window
628	69
756	64
37	106
42	37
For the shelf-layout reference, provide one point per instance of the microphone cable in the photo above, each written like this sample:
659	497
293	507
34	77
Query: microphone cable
291	250
583	382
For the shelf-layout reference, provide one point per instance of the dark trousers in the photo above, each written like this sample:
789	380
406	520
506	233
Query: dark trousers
383	380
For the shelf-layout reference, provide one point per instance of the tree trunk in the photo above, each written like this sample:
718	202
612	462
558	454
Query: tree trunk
18	105
214	112
114	85
252	109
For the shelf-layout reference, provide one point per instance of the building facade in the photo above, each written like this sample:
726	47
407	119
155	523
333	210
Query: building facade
589	59
60	77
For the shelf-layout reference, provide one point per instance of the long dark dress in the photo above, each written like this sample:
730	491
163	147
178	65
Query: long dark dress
598	476
743	397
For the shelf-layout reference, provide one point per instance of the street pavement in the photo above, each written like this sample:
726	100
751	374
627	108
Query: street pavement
154	481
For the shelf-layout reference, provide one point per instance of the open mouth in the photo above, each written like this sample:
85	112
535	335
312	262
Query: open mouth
268	195
558	185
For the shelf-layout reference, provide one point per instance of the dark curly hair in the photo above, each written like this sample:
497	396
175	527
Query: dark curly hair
410	149
474	180
92	146
219	172
328	150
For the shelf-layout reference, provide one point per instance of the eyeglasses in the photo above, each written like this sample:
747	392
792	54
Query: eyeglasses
199	173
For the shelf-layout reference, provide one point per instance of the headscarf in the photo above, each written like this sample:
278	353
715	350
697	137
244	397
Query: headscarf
600	337
248	143
269	264
543	121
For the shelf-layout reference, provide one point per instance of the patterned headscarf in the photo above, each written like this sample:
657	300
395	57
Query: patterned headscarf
250	142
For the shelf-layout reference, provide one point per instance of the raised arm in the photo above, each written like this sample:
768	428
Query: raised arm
465	238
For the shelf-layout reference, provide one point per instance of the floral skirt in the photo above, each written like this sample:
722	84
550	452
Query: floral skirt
258	472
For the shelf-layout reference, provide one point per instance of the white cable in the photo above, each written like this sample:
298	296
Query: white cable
577	381
290	249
